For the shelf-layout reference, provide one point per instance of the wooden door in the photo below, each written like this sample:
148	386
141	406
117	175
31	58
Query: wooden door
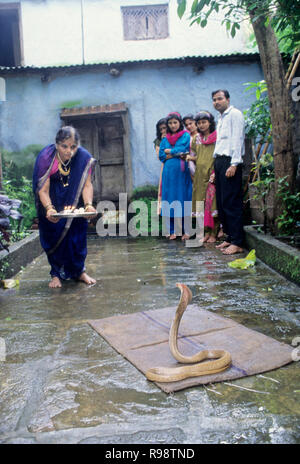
103	137
87	129
110	132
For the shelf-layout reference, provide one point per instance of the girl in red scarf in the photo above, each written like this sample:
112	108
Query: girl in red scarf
202	149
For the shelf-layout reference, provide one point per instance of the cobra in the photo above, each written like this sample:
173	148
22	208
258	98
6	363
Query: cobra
221	359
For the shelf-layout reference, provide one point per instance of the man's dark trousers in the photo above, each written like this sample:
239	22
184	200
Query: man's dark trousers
229	196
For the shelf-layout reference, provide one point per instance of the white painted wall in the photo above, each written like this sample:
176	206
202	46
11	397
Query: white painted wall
52	34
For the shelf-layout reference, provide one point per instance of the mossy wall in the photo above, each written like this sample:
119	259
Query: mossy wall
281	257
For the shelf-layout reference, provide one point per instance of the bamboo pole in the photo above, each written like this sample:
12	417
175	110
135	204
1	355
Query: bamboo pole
256	173
291	64
293	71
256	155
258	148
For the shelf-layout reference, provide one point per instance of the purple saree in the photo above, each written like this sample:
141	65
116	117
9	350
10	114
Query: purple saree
65	241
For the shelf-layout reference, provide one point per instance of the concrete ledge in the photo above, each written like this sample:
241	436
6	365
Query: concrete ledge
279	256
20	254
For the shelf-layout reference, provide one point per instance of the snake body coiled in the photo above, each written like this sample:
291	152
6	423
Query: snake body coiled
221	359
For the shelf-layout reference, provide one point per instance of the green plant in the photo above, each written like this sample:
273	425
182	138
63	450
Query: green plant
70	104
258	127
17	164
17	174
145	191
147	194
145	225
261	191
288	221
257	117
8	211
264	167
24	193
4	266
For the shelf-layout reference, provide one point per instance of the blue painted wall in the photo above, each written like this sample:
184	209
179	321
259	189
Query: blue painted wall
30	114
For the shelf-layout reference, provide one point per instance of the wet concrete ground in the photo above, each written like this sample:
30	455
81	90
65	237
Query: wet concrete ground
62	383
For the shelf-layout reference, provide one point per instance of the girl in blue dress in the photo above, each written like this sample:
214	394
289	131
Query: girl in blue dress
176	180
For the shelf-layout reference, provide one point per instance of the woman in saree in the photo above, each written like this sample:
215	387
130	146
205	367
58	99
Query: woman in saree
176	179
202	149
62	178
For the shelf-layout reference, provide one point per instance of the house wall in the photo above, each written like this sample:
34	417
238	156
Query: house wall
66	32
30	114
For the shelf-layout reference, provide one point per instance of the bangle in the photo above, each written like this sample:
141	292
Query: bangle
49	206
87	205
50	209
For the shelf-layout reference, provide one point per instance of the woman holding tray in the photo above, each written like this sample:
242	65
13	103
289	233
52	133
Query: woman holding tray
176	179
62	178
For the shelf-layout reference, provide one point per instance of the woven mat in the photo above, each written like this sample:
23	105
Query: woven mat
143	339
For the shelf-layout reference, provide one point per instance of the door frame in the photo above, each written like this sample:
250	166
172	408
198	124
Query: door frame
68	115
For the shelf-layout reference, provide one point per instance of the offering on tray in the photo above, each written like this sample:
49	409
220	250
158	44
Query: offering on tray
71	211
78	210
68	209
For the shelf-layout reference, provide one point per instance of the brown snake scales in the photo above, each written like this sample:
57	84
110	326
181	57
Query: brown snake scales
221	359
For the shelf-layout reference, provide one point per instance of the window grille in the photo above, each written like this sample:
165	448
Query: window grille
145	22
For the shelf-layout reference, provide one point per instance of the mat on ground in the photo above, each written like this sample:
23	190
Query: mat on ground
143	339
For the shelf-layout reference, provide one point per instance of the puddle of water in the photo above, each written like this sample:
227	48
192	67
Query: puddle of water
86	392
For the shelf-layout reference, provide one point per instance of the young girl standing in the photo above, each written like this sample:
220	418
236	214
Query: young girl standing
191	126
202	149
161	130
176	179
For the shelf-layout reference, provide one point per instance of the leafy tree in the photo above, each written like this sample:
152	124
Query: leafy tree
266	17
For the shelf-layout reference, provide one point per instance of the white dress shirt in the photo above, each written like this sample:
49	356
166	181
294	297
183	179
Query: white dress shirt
231	135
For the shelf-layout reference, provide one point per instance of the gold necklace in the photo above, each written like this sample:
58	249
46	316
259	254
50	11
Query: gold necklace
62	164
63	170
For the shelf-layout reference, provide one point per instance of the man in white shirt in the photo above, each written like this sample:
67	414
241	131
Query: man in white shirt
228	154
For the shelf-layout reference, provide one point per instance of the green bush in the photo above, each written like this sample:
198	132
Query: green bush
288	222
17	174
146	194
145	191
24	193
257	117
18	164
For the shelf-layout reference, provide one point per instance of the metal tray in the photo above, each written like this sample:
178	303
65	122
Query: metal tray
74	215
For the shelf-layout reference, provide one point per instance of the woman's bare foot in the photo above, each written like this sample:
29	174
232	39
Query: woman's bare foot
185	237
223	245
172	237
206	237
220	233
87	279
55	283
232	250
211	239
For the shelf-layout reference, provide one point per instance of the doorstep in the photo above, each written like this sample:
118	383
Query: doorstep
277	255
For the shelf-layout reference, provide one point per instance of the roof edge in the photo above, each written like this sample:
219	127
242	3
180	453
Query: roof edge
223	57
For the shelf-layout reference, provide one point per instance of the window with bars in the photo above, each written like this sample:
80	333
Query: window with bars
145	22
